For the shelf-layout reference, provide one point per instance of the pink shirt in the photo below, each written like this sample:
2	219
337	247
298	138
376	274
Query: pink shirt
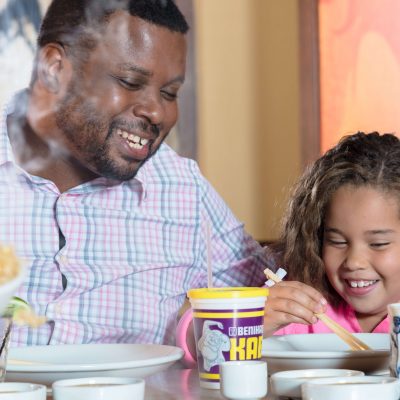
344	315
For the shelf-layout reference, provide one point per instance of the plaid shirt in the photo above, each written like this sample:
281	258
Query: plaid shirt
129	250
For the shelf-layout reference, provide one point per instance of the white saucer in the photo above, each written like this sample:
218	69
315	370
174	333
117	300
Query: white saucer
46	364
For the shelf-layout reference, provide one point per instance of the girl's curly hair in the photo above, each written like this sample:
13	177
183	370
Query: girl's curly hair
358	160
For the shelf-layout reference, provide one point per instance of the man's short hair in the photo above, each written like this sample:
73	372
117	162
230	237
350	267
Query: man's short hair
66	21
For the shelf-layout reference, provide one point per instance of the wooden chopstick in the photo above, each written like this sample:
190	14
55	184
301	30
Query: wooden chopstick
354	342
344	334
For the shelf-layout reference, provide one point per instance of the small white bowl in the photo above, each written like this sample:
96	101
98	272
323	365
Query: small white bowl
101	388
241	380
22	391
354	388
288	383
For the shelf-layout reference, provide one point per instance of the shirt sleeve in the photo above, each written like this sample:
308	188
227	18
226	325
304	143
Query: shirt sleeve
237	259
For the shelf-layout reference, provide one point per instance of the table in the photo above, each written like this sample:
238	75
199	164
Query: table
179	384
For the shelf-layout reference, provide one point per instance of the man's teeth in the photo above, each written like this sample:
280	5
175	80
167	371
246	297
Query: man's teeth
355	284
134	141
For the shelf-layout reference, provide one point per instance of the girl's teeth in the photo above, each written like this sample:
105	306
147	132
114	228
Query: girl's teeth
355	284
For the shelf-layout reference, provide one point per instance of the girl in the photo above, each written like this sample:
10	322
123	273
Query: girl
341	238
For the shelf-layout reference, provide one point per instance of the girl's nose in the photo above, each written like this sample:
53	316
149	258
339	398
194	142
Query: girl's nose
356	259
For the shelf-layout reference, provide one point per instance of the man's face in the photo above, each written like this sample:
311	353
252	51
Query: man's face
121	104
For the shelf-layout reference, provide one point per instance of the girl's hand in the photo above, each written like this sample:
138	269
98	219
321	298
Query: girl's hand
291	302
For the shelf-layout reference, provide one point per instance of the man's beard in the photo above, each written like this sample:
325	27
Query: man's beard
81	124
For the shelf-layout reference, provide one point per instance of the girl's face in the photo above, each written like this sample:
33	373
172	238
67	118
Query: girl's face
361	250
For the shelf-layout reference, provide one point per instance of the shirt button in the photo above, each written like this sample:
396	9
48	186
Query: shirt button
64	259
63	198
58	308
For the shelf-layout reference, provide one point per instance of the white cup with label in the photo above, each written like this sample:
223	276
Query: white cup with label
228	325
244	380
101	388
394	332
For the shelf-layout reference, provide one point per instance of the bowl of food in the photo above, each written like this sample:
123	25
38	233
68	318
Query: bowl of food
326	350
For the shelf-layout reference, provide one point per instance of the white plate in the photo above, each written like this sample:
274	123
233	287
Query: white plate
46	364
325	350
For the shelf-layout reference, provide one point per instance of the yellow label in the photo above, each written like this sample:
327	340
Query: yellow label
199	314
227	293
204	375
246	348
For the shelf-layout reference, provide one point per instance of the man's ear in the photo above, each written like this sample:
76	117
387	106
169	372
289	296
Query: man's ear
51	65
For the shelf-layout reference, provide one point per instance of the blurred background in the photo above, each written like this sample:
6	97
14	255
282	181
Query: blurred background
271	84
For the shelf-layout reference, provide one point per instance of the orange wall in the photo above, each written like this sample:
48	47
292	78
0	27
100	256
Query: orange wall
360	67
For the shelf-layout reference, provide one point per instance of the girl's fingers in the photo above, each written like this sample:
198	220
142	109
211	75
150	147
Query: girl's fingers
292	302
274	320
296	292
289	311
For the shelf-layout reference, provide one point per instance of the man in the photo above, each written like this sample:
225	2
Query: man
110	221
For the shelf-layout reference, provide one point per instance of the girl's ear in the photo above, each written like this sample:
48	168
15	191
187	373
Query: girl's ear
51	66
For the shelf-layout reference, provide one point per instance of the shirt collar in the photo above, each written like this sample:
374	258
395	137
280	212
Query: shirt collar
142	177
20	98
145	175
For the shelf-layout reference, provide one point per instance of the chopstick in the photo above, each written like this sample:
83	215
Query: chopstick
344	334
354	342
209	263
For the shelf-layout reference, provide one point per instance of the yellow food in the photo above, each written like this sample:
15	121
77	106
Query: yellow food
22	313
9	264
18	309
28	317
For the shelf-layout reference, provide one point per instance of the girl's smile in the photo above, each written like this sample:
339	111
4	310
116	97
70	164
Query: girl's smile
361	250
